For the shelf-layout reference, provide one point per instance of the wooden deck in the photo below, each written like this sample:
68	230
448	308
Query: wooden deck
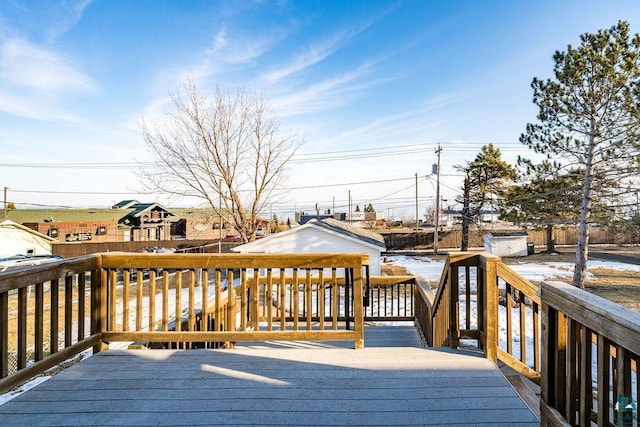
392	381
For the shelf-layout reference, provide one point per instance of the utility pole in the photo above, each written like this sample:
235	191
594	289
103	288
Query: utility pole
416	202
437	224
5	203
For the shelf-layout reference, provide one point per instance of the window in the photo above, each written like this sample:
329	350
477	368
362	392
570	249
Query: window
53	232
101	231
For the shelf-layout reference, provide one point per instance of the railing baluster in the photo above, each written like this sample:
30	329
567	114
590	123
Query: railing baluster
22	328
268	294
335	306
585	382
467	292
321	298
152	299
139	299
308	290
604	380
38	321
53	320
523	329
126	279
113	298
296	300
509	317
192	297
82	309
4	334
283	300
231	298
68	310
165	300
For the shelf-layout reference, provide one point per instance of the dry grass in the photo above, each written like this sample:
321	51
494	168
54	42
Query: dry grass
619	286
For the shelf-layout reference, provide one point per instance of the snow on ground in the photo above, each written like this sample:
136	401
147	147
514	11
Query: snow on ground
430	270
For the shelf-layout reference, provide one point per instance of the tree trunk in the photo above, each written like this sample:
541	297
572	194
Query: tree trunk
551	245
582	249
464	244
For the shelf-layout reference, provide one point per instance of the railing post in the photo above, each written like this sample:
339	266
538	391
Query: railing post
358	308
490	309
454	303
98	305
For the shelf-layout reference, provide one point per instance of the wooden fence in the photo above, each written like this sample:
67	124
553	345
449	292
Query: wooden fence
452	238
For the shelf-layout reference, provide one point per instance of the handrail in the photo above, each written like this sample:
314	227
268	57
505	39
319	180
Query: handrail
472	283
55	335
185	299
577	387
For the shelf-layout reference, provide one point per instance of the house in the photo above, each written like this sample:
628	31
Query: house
506	244
129	220
18	239
146	221
326	236
198	224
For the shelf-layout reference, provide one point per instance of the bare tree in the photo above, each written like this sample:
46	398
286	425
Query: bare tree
228	151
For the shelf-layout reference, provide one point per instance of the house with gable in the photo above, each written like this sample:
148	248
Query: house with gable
17	239
146	221
325	236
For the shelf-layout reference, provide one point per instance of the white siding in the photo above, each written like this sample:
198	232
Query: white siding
313	240
510	246
14	241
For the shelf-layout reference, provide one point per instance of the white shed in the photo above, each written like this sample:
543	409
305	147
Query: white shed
326	236
506	244
17	239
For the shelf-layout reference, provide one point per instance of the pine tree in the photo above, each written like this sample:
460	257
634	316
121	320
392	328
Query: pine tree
485	178
589	116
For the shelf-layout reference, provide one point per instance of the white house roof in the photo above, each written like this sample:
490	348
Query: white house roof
7	223
330	226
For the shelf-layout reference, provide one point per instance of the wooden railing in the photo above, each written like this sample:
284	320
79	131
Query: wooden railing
581	349
478	295
48	314
591	354
174	300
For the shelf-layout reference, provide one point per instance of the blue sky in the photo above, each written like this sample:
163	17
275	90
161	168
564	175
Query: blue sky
371	86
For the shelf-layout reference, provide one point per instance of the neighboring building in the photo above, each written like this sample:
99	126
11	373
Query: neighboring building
129	220
326	236
454	216
303	217
198	223
74	225
506	244
16	239
146	221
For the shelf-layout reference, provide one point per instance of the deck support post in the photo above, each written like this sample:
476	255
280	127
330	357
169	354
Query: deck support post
490	308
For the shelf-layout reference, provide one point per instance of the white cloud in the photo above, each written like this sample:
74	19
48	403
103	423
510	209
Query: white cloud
35	108
65	18
27	65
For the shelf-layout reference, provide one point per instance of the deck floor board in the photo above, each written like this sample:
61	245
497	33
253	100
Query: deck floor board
392	381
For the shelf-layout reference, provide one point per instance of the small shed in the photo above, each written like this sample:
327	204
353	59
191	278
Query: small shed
506	244
17	239
326	236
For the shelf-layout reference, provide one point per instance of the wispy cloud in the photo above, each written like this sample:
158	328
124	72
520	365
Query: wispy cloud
25	64
65	17
35	108
316	52
332	92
